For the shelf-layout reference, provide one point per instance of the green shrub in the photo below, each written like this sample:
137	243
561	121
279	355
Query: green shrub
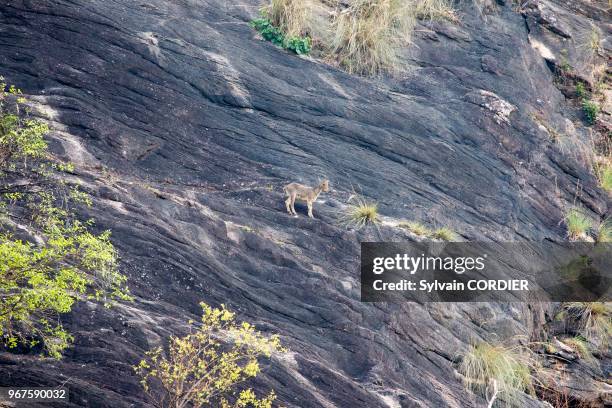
578	224
591	110
580	90
20	138
299	45
202	370
39	281
268	31
507	369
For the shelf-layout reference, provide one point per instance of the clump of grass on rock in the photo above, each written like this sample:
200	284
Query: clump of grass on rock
594	320
368	34
416	228
580	346
289	16
605	177
434	10
445	234
363	36
360	213
496	368
604	233
578	224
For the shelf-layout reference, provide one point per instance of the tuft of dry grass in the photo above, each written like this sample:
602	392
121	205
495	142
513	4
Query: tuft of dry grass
290	16
604	174
369	33
360	213
434	10
445	234
507	368
594	320
604	232
363	36
590	42
415	227
580	346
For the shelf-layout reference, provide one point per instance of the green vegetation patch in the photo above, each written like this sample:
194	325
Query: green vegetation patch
296	44
578	224
581	91
206	367
590	110
362	36
62	261
604	233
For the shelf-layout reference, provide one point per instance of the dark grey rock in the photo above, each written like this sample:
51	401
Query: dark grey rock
184	126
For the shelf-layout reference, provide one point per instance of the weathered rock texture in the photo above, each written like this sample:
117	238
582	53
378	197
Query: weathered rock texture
184	125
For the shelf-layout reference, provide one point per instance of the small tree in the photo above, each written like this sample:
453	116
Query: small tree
60	261
205	367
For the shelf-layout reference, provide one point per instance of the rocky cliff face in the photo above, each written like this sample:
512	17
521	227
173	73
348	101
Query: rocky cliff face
184	125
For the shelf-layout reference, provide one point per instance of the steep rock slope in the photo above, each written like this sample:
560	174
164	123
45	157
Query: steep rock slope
184	125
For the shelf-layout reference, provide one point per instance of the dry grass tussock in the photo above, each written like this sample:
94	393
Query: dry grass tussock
368	33
504	371
360	213
362	36
292	17
594	319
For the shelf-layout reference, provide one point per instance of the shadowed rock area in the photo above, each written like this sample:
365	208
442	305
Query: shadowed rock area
184	125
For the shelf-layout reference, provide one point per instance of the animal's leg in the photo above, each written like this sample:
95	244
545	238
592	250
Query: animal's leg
310	209
288	204
293	196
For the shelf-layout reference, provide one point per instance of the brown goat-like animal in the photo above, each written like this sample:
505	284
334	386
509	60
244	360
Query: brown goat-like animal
304	193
